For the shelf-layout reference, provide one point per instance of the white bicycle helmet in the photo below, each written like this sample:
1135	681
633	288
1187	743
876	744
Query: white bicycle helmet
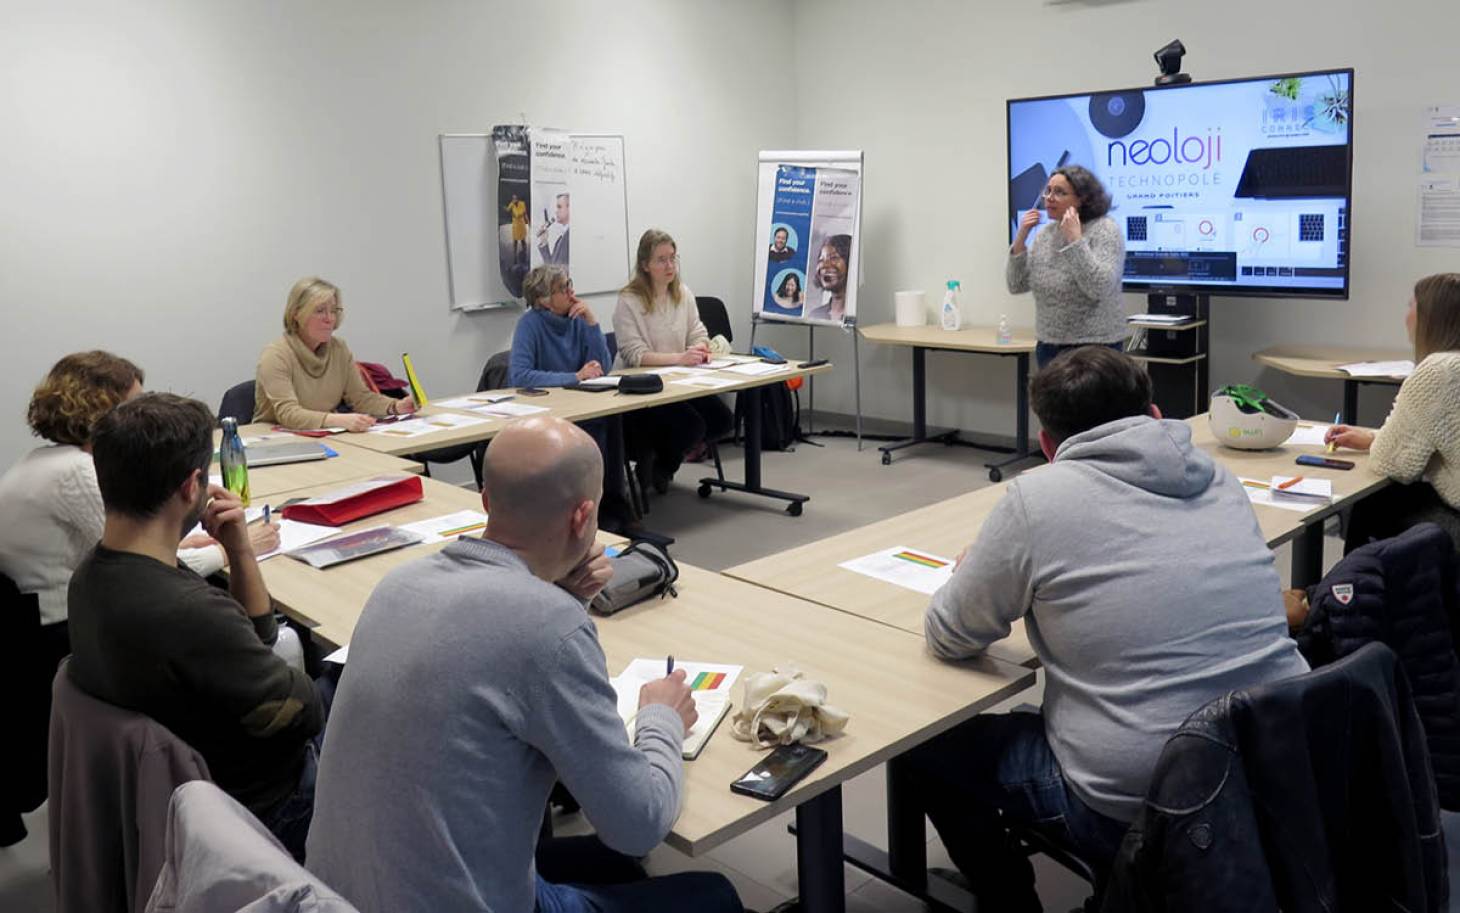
1243	418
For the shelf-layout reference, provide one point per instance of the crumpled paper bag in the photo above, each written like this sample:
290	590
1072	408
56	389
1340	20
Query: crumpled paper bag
781	708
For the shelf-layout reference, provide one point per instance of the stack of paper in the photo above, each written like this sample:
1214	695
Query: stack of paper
510	410
1308	435
1159	318
709	685
1402	368
448	527
293	534
1301	490
1260	492
704	380
756	369
474	400
607	380
441	421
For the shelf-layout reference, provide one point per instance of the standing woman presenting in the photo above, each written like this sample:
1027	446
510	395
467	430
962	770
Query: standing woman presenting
1073	266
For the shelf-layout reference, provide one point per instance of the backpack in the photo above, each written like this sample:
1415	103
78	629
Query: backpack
780	417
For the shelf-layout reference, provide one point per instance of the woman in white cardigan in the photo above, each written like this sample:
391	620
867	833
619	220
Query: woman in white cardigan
50	499
1418	445
657	323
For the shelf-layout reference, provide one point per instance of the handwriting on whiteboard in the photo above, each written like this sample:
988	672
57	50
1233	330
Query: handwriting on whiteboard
596	162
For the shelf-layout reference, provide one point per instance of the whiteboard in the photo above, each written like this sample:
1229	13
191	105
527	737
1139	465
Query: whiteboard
600	226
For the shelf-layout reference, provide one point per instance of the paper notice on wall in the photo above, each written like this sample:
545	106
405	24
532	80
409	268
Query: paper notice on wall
1438	212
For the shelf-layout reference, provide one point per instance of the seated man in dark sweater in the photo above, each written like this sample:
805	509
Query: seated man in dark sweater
150	635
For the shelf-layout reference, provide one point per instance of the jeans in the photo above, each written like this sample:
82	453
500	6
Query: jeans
603	881
1044	352
998	769
289	818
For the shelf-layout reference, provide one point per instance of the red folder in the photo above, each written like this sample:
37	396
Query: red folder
355	501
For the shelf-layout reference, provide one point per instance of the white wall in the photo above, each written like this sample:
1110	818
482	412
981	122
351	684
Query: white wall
168	169
921	84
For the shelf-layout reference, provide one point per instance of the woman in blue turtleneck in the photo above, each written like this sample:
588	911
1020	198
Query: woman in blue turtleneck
558	342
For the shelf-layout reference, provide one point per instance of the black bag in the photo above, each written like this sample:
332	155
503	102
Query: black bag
779	417
640	383
643	569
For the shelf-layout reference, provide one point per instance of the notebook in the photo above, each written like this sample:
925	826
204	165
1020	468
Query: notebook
292	452
709	684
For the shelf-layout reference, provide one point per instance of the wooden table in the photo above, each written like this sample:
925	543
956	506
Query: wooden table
978	340
352	465
1323	361
1304	530
578	406
812	571
898	694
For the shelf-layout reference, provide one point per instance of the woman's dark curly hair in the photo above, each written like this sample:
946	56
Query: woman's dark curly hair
1094	199
78	391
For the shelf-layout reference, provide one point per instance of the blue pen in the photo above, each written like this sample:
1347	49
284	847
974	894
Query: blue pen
1337	417
266	515
669	666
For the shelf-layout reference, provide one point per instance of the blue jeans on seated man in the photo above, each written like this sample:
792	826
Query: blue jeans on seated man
1045	352
595	879
997	770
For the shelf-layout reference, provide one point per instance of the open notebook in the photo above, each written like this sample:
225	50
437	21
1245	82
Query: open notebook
709	684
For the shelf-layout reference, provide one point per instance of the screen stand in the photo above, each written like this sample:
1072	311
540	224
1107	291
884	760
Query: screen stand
1177	357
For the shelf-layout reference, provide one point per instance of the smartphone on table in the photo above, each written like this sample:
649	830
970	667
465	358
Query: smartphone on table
778	771
531	391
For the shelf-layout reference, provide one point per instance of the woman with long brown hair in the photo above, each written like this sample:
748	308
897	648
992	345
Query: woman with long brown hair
1418	445
657	323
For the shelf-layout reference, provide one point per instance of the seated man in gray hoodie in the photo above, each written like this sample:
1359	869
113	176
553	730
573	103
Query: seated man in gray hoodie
1147	590
475	682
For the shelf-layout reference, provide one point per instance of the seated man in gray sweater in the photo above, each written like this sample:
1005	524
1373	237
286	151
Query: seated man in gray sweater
475	682
1147	590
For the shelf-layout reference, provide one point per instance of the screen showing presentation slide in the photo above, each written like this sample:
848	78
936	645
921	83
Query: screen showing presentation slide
1235	188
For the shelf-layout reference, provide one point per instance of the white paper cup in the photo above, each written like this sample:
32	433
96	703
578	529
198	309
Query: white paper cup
910	308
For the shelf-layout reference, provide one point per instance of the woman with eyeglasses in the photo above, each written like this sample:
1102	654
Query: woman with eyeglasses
657	323
1074	266
305	376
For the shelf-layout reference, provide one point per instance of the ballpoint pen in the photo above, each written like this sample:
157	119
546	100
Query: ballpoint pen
1333	444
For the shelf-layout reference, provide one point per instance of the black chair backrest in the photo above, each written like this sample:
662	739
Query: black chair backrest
714	317
612	340
495	371
238	403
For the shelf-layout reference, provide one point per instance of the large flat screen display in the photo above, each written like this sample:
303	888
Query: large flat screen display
1240	187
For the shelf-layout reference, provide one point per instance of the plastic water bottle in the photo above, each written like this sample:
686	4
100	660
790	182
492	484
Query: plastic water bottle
952	317
233	461
1005	335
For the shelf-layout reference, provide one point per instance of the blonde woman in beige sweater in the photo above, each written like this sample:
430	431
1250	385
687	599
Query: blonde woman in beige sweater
657	323
1418	445
305	375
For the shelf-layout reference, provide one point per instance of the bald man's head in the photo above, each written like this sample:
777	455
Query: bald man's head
538	471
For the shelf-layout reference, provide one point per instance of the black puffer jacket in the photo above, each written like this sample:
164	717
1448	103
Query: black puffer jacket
1403	592
1308	795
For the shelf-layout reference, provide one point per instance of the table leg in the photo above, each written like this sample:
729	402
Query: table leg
920	410
1350	402
819	854
751	485
1021	420
1308	556
907	839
